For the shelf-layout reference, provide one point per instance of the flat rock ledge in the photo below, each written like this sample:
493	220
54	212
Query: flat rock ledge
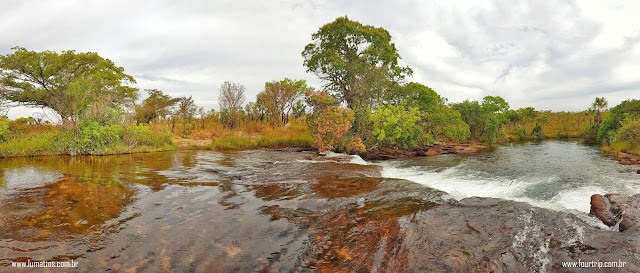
432	150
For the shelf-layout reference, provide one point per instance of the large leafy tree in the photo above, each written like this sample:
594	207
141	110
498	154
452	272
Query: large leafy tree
356	61
69	83
156	106
279	98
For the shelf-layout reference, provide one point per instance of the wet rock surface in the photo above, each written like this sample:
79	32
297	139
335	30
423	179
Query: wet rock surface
432	150
615	209
271	211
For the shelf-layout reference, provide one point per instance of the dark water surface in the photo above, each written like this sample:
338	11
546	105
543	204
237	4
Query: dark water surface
267	211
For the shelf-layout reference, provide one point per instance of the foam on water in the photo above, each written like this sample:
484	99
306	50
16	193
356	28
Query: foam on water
554	175
460	184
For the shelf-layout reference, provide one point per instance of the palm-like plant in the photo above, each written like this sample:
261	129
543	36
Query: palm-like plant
599	104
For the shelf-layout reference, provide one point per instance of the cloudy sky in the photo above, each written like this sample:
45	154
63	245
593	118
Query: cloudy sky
552	55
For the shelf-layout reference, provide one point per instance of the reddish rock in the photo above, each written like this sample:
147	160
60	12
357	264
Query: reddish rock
613	208
638	171
601	208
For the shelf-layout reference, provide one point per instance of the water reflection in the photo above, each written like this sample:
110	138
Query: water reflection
174	211
203	211
62	209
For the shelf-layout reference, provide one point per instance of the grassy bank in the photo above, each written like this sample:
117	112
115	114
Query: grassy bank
623	147
89	139
552	125
249	136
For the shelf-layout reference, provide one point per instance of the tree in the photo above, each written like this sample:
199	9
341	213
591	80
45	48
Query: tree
278	98
203	115
69	83
156	106
329	122
397	125
187	109
598	105
484	119
299	109
254	111
231	99
346	54
616	117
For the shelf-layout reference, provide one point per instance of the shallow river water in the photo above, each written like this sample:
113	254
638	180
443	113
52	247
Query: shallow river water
559	175
275	211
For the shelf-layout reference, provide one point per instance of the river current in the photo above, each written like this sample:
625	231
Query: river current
275	211
559	175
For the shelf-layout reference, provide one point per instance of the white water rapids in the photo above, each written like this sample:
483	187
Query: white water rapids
557	175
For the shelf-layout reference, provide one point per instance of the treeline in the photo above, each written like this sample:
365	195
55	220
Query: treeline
366	103
620	130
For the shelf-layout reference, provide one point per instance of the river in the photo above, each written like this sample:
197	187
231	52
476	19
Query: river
275	211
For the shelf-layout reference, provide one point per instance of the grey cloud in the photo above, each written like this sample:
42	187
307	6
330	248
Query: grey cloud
531	52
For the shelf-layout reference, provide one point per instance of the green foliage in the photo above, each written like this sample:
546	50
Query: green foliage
417	95
34	144
90	138
94	138
4	129
617	115
353	58
299	109
486	119
279	98
447	124
537	131
72	84
629	131
156	106
397	125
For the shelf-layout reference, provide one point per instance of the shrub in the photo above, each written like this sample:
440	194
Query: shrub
4	129
397	125
629	131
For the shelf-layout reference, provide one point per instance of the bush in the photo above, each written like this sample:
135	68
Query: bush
447	124
33	144
329	122
96	139
4	129
629	132
397	125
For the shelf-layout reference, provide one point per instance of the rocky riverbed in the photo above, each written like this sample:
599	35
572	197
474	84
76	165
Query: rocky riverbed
271	211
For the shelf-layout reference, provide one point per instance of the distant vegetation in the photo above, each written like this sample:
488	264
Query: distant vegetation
366	103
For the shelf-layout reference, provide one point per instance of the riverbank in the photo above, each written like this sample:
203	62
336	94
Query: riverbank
438	148
89	140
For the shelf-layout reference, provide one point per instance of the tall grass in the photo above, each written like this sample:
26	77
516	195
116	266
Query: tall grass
89	139
555	125
294	135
